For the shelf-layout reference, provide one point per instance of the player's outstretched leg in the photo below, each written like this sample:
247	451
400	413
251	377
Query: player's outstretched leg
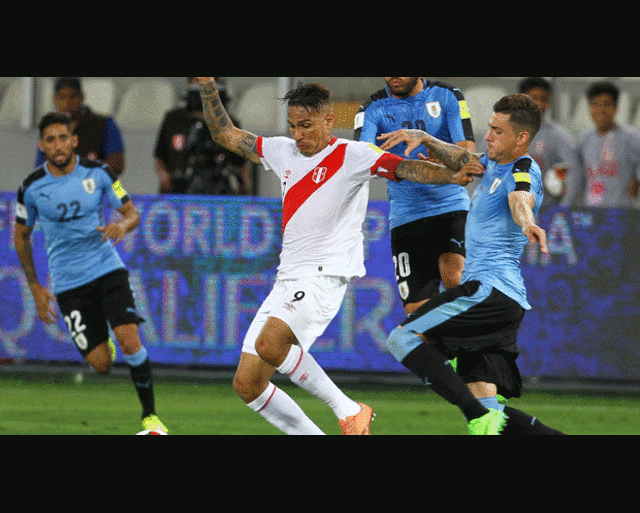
435	369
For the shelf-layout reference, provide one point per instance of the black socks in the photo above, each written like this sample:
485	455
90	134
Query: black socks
141	376
521	423
433	368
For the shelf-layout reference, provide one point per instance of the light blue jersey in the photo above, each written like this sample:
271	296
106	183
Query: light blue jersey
441	111
68	209
494	241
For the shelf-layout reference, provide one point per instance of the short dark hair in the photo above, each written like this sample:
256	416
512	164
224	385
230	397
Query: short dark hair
603	87
523	110
534	83
54	118
72	82
309	96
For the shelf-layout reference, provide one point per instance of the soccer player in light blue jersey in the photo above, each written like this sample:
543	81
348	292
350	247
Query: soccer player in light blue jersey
90	281
478	320
426	222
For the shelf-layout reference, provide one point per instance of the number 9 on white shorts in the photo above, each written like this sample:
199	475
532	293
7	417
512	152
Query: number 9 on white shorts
307	305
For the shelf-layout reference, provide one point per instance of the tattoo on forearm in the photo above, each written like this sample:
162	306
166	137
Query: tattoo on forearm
248	145
221	127
214	112
423	172
451	155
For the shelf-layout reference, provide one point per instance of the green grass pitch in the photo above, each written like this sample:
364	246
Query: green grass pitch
53	404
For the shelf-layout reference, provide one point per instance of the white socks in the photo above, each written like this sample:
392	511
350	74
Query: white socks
305	372
283	412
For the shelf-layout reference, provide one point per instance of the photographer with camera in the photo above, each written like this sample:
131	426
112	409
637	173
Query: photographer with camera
187	161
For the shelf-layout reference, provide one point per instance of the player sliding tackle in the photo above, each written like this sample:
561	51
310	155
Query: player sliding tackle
325	187
478	320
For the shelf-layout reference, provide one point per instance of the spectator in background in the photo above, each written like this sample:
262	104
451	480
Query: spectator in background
99	136
609	155
188	161
554	148
170	150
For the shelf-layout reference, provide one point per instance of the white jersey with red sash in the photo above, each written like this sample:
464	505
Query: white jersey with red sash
324	203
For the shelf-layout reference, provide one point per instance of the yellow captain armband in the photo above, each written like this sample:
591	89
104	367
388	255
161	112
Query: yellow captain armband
464	110
522	177
118	189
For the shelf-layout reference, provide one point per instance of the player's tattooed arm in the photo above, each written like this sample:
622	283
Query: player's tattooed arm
451	155
421	171
220	125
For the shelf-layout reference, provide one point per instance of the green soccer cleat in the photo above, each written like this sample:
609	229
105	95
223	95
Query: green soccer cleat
152	422
491	423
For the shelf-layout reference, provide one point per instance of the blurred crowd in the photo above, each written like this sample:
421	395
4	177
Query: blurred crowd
602	167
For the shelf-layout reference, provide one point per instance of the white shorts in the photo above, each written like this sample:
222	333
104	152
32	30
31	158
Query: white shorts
307	305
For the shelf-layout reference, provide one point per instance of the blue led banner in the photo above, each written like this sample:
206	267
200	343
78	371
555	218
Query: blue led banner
585	295
200	267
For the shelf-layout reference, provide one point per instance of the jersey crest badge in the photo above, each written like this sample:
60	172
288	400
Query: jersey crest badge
178	142
21	212
89	185
434	109
318	174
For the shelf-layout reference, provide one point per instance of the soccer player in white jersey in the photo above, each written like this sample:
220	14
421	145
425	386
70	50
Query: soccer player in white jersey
325	185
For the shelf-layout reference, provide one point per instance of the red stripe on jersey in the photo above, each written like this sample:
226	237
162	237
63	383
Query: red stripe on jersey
313	180
259	147
386	166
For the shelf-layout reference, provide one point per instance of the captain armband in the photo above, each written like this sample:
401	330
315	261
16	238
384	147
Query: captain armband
521	175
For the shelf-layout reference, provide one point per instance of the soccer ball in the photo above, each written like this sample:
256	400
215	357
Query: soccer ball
151	432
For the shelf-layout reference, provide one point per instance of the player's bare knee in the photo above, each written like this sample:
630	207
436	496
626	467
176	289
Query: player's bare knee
452	279
129	346
451	268
102	367
247	389
128	339
241	388
270	350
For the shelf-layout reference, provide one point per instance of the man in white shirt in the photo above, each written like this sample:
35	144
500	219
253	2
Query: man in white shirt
325	189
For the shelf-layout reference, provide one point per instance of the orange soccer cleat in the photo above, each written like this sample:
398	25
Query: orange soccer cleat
359	423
